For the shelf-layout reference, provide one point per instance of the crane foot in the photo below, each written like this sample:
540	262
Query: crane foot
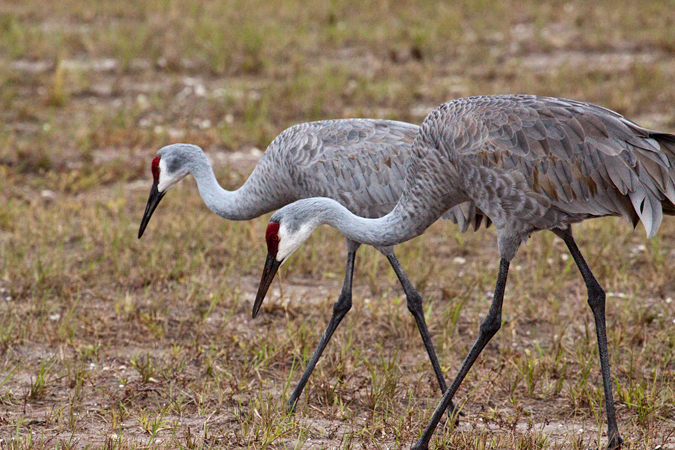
615	443
291	406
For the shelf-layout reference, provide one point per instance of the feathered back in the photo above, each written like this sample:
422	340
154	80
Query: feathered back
577	159
358	162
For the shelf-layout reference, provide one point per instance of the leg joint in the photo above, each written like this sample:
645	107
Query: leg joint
596	296
414	302
490	325
343	305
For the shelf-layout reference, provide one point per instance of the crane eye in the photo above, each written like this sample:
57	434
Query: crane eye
272	237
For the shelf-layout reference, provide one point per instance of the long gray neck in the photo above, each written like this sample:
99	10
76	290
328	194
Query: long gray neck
242	204
401	224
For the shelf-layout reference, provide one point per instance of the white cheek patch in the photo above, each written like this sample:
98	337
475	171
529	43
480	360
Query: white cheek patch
291	241
165	182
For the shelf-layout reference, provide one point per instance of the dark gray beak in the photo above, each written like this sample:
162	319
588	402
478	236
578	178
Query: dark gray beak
271	267
153	201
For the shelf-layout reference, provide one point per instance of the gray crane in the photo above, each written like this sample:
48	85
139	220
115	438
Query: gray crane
528	163
358	162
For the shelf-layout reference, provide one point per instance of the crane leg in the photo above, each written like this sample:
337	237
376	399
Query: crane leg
340	309
596	300
488	328
414	302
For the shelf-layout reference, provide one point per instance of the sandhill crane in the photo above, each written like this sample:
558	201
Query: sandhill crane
528	163
358	162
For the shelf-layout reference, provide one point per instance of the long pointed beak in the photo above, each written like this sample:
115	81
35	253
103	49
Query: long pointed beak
271	267
153	201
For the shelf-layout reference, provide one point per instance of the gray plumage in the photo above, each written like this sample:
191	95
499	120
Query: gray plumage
527	163
357	162
533	163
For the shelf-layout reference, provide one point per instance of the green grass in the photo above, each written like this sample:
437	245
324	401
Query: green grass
111	342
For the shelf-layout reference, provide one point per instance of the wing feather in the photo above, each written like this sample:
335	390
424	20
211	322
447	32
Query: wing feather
586	159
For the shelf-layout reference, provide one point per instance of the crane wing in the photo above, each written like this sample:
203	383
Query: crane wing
358	162
586	159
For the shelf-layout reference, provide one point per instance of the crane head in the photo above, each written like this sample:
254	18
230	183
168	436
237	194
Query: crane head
283	237
155	195
169	166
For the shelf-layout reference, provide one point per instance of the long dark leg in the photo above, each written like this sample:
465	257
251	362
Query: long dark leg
596	300
488	328
340	308
414	300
